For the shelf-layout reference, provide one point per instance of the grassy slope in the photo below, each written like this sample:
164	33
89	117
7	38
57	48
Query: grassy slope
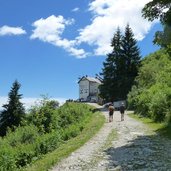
160	128
64	150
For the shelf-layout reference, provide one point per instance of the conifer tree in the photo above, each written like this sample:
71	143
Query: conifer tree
131	58
13	112
108	88
121	66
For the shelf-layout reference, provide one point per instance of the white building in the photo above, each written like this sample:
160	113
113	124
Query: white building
89	89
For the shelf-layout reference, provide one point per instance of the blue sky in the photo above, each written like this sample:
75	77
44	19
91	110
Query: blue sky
46	45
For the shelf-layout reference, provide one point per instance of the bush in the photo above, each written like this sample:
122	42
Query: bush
7	158
47	143
151	96
25	154
158	104
70	132
17	148
44	116
22	135
28	143
72	113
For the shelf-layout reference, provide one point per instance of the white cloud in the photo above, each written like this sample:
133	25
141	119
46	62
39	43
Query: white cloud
107	16
7	30
50	30
29	101
75	9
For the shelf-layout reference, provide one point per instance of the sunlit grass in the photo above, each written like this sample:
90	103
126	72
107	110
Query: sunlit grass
64	150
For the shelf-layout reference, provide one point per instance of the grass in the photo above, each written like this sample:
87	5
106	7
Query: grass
160	128
166	131
51	159
112	136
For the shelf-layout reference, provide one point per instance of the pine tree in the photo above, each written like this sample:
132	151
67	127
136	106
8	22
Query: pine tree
131	56
107	74
108	88
121	66
13	112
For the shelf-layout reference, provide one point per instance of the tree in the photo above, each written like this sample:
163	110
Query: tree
157	9
163	38
108	88
121	66
151	96
131	62
13	112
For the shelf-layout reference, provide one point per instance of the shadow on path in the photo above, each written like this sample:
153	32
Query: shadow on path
143	153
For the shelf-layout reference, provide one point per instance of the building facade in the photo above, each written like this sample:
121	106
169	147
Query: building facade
89	89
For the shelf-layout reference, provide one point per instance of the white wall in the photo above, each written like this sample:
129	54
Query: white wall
83	89
94	88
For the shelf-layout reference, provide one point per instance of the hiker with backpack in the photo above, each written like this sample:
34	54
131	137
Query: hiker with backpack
111	111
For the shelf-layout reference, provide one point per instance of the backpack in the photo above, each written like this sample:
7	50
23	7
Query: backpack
122	109
111	108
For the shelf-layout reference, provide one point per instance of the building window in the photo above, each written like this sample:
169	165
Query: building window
81	91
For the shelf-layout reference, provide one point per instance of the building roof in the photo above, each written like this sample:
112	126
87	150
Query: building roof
91	79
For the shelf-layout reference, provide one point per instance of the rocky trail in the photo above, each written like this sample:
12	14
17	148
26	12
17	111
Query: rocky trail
121	146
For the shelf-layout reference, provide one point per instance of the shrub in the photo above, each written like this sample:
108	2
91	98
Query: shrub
22	135
25	153
28	143
151	96
44	116
143	101
70	132
7	158
158	104
47	143
72	113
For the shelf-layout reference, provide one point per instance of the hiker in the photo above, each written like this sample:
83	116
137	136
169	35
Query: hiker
122	111
111	111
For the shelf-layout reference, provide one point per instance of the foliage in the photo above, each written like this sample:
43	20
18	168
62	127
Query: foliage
92	126
151	96
47	143
107	90
71	113
17	149
121	66
44	115
157	9
7	158
13	112
163	38
131	55
28	143
23	135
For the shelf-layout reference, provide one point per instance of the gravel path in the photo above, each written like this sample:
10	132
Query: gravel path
134	148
